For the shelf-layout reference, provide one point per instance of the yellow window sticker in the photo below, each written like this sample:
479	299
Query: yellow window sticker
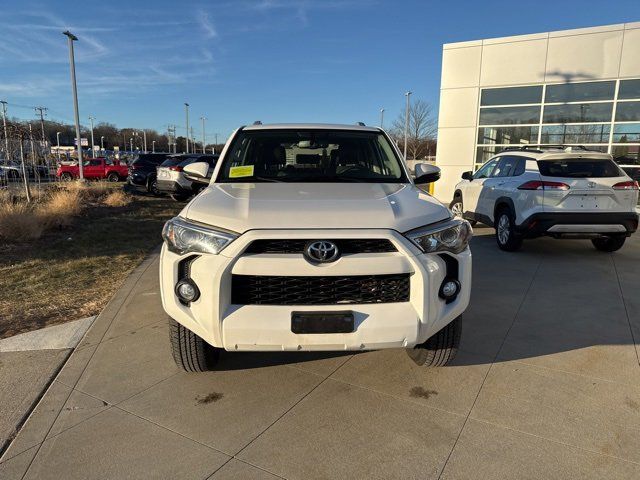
243	171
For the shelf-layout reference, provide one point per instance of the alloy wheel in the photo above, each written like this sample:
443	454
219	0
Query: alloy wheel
503	228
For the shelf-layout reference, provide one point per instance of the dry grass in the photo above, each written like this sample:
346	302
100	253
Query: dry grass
60	209
19	221
72	273
117	198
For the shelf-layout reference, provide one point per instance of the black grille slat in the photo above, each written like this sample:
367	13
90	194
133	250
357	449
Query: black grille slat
329	290
345	245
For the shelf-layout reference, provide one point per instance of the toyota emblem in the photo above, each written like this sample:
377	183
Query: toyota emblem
321	251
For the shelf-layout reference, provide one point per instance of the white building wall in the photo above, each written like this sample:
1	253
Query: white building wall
598	53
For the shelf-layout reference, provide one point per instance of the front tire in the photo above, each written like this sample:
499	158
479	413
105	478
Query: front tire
457	208
113	177
506	236
66	177
608	243
440	349
190	352
152	187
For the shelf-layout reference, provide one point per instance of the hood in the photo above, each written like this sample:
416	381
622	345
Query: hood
247	206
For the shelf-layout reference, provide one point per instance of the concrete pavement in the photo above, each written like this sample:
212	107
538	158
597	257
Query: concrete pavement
547	385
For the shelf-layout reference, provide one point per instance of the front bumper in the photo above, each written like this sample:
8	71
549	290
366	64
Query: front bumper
558	223
268	327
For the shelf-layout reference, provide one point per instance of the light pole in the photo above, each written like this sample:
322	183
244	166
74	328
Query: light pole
144	133
72	65
153	146
4	123
131	144
203	136
58	142
381	117
406	124
102	143
93	145
186	108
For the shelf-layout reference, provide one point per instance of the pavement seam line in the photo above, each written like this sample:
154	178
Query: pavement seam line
626	310
210	476
129	293
571	445
290	408
475	400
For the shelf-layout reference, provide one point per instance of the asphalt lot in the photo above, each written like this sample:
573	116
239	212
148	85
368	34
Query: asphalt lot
547	385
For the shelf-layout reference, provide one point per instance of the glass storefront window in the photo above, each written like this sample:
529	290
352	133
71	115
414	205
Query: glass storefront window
511	95
626	133
509	115
627	111
485	153
507	135
629	89
579	92
574	113
564	134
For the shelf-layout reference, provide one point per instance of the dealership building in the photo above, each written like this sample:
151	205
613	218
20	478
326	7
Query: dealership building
572	87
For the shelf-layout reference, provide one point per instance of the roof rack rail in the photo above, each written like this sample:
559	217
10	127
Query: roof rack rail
541	148
257	122
361	124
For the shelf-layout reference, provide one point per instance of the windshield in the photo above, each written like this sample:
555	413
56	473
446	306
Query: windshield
311	156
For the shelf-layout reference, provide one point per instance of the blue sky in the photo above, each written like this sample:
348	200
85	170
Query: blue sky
239	61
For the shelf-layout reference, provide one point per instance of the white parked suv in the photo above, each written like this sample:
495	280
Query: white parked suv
572	192
314	237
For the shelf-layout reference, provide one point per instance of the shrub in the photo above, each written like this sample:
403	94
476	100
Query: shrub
61	207
117	198
19	221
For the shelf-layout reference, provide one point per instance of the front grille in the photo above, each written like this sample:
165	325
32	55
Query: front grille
345	245
331	290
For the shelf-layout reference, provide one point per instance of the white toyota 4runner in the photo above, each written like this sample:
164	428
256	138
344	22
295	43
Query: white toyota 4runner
529	192
314	237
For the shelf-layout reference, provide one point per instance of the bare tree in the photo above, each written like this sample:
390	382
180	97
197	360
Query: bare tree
422	130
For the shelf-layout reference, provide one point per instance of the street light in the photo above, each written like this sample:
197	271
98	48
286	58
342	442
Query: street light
93	146
406	124
72	65
102	143
186	107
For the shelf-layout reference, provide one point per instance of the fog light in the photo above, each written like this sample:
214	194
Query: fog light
187	291
449	289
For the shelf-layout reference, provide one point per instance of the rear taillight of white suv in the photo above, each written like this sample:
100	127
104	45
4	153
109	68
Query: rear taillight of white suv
630	185
543	185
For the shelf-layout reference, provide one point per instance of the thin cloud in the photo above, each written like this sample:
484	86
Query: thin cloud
206	25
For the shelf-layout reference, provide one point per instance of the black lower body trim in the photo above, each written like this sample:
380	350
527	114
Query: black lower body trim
539	223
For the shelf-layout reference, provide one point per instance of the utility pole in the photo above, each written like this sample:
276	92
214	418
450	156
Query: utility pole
72	65
4	124
42	111
144	133
193	141
203	136
24	169
381	117
124	143
406	124
93	145
186	107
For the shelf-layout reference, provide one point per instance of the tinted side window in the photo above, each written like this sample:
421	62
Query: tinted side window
486	170
520	167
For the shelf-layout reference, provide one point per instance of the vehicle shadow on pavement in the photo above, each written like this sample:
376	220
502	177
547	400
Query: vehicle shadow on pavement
251	360
555	302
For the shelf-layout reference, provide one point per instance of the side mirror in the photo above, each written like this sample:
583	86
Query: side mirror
426	173
467	176
197	172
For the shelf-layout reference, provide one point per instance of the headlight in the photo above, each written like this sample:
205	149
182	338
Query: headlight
448	236
186	237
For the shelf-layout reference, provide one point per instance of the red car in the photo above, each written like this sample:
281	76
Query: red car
95	168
